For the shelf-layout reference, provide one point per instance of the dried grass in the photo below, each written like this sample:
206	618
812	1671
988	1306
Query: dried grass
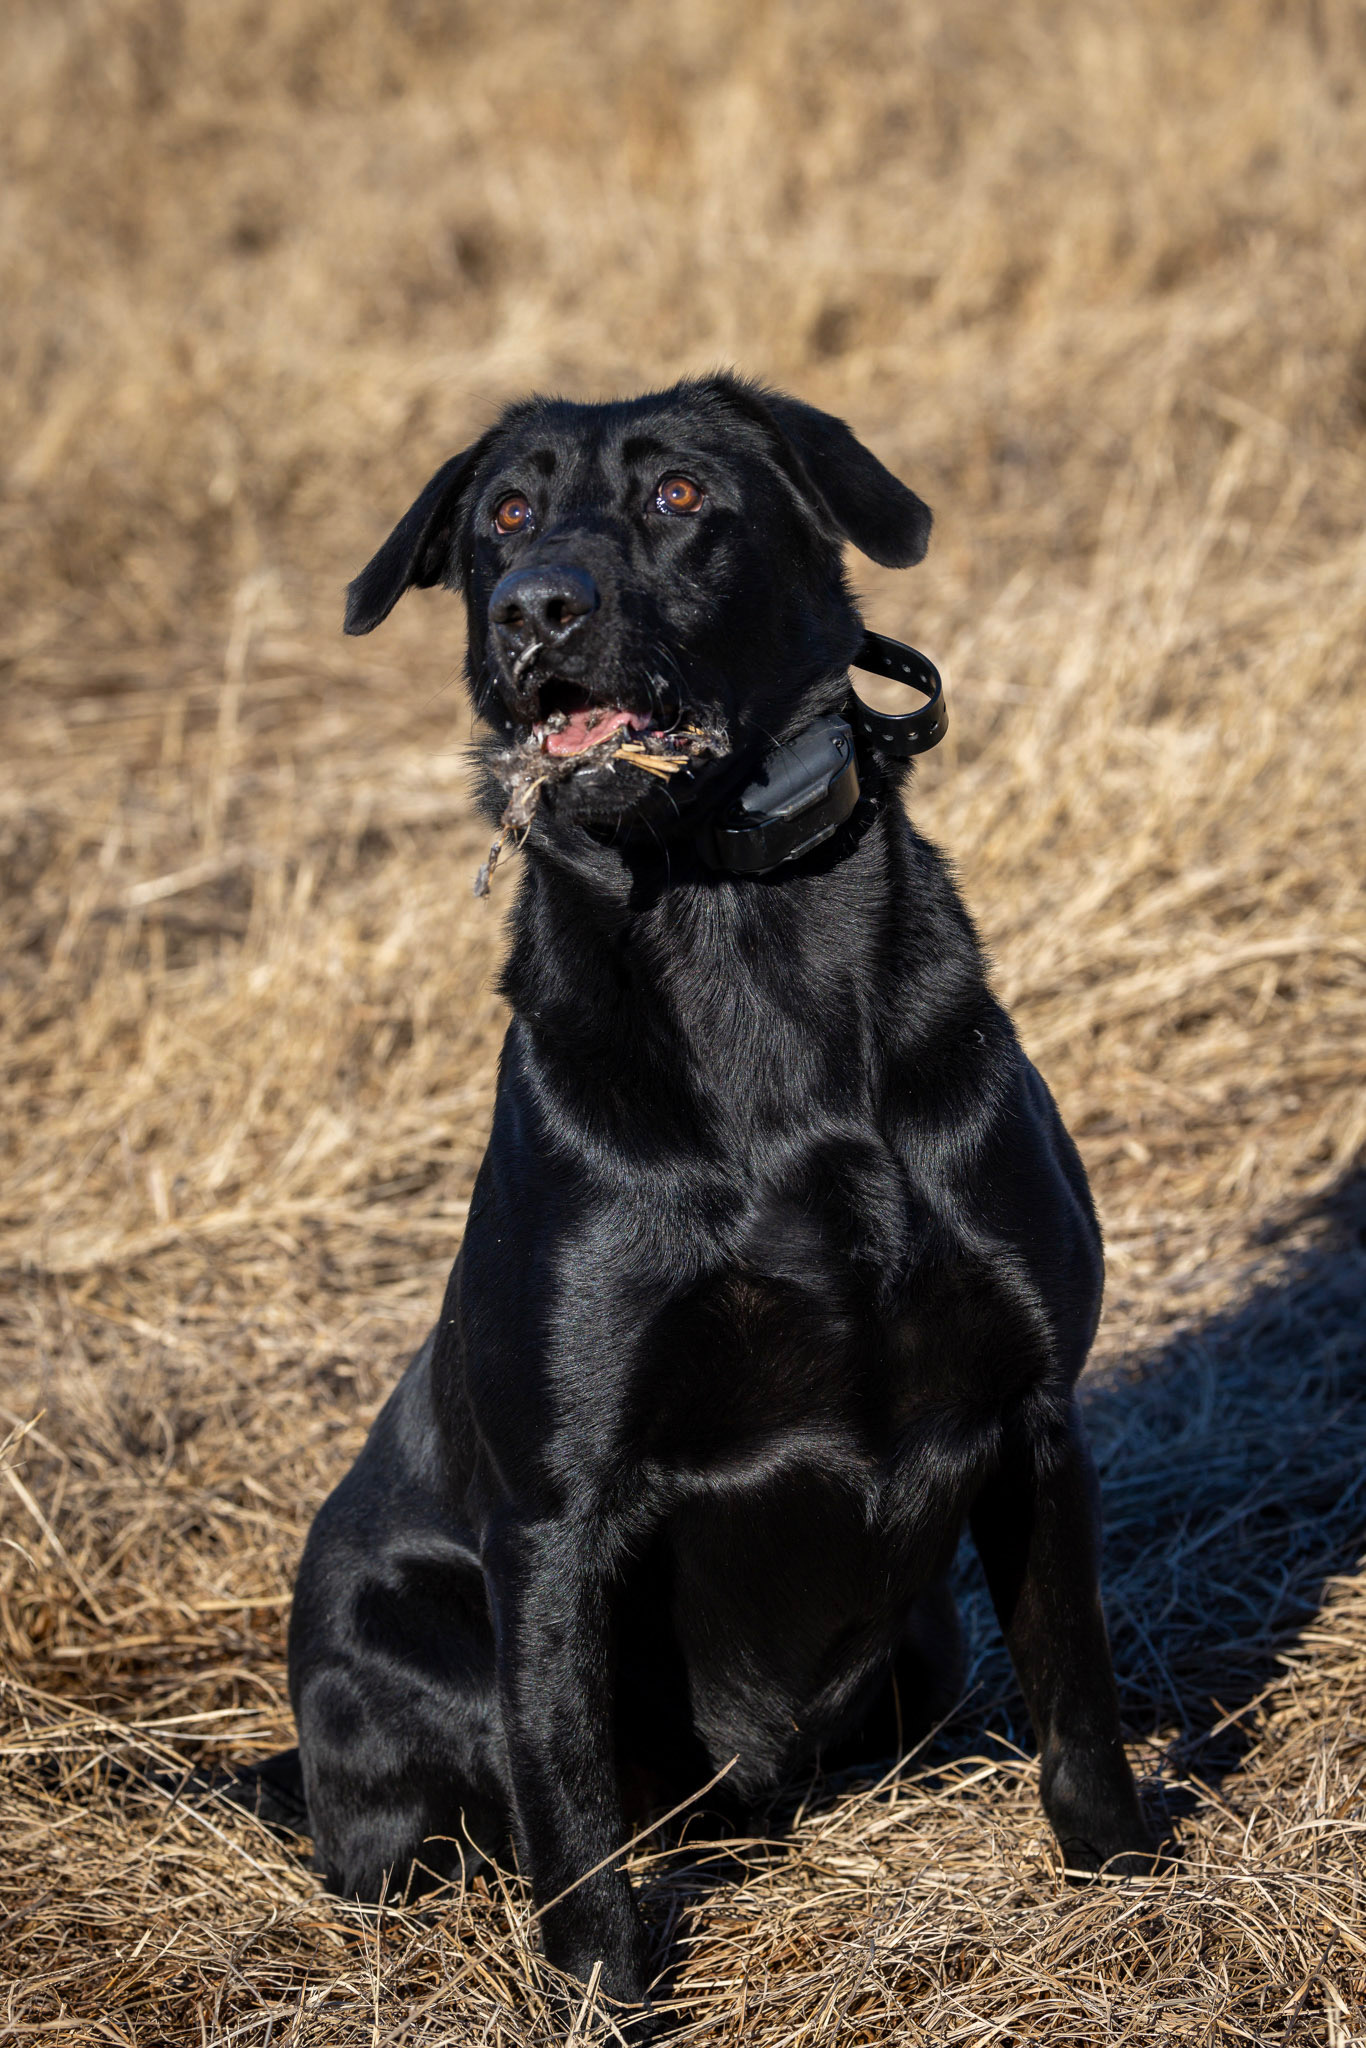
1091	277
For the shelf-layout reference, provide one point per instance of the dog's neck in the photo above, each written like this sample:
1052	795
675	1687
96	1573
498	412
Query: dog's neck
641	980
623	886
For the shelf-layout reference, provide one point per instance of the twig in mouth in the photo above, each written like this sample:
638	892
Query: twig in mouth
653	764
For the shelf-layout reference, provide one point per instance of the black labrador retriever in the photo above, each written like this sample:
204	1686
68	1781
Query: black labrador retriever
780	1266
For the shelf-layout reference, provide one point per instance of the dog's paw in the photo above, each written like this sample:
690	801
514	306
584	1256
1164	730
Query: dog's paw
1084	1861
578	2015
638	2028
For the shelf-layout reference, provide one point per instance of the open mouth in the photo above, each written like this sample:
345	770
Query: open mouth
571	723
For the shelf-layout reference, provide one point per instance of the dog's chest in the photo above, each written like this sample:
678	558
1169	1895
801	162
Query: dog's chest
747	1378
805	1506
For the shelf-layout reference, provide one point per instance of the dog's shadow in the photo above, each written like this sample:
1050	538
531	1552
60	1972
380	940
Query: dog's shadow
1233	1472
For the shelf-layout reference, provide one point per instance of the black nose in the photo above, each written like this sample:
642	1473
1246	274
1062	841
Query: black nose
542	605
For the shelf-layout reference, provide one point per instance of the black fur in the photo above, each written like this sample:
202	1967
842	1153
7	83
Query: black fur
780	1266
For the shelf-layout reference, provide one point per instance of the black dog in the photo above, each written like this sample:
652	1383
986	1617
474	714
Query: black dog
780	1265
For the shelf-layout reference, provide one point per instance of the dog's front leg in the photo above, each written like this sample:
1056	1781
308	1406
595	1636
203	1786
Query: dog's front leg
552	1626
1036	1527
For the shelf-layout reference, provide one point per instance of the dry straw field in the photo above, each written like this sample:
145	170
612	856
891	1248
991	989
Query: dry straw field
1091	277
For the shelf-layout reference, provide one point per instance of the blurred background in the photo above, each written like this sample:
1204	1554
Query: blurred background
264	264
1089	277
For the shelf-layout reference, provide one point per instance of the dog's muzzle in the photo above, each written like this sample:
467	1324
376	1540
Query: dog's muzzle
540	619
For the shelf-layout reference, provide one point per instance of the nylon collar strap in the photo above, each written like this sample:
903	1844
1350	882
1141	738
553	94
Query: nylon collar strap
900	733
807	787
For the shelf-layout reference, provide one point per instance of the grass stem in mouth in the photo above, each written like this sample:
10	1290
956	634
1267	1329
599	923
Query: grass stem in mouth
653	764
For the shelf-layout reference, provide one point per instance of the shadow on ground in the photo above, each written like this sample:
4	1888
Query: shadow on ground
1233	1470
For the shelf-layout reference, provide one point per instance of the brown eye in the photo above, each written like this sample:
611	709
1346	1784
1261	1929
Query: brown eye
679	494
513	515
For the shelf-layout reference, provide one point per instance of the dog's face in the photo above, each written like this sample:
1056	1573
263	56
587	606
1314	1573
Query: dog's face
673	560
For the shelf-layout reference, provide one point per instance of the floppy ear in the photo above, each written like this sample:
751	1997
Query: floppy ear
863	501
418	549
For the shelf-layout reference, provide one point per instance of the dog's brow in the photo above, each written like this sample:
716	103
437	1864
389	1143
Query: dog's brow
545	460
643	447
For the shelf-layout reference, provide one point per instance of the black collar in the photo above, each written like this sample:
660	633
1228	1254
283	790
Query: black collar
807	787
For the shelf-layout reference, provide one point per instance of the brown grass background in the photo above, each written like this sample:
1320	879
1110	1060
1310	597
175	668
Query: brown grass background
1090	277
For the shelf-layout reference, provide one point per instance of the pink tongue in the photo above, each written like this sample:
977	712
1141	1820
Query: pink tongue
578	734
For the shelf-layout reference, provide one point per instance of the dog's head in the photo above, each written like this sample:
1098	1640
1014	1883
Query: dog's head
668	560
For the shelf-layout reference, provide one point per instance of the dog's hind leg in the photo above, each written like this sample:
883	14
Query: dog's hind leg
921	1687
927	1675
400	1737
272	1789
391	1669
